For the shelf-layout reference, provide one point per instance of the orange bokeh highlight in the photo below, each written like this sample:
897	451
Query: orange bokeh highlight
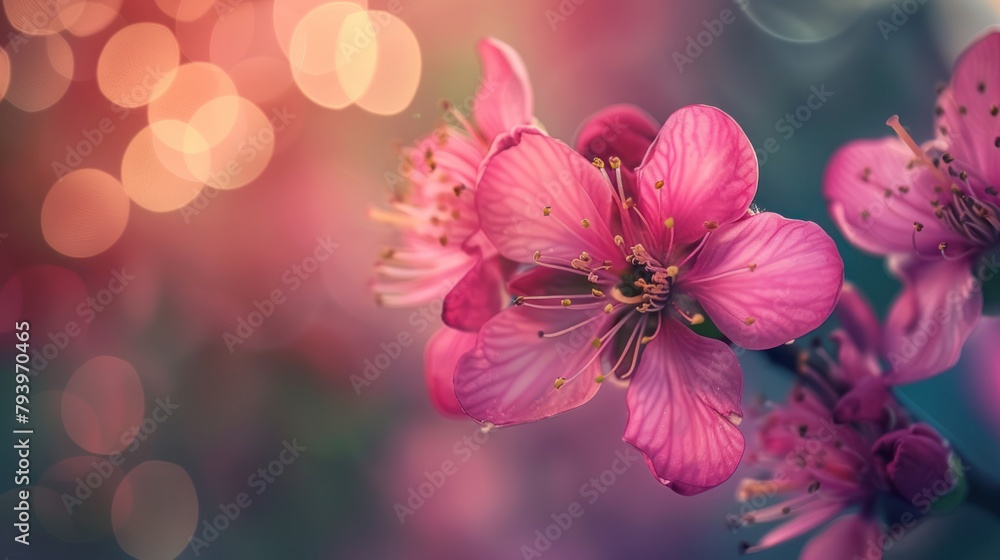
84	213
42	17
40	73
188	88
238	153
323	50
92	16
136	64
261	79
186	10
288	13
149	182
155	511
102	402
392	87
4	73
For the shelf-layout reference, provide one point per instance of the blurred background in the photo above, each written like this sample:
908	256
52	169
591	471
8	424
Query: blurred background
210	361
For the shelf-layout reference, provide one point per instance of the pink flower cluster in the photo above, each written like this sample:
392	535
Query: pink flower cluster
610	263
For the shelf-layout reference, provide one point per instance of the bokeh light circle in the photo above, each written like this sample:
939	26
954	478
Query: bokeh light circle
84	213
239	153
91	16
188	88
40	73
330	48
102	403
136	62
42	17
288	13
73	497
148	181
4	73
155	511
392	87
188	10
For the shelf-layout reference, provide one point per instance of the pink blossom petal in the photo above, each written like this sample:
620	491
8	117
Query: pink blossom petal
851	536
504	99
766	280
875	197
708	169
864	402
858	318
929	323
509	377
970	123
683	404
444	348
528	172
476	298
816	514
623	131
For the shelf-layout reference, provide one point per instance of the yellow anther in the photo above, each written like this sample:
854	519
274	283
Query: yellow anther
658	185
585	223
546	210
598	163
566	303
697	319
596	343
608	308
599	379
669	223
596	292
752	266
749	321
560	381
672	271
615	162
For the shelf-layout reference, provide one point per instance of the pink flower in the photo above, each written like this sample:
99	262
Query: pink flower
841	442
933	209
828	468
621	277
444	253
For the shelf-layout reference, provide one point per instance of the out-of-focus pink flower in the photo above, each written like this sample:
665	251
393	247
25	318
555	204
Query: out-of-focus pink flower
618	276
826	468
445	347
913	460
444	254
841	442
934	210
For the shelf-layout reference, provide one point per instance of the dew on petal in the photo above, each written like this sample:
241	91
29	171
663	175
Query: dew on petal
102	402
186	10
392	87
40	73
324	60
134	62
155	511
84	213
148	181
73	497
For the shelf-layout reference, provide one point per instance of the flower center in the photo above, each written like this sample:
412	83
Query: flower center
964	212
